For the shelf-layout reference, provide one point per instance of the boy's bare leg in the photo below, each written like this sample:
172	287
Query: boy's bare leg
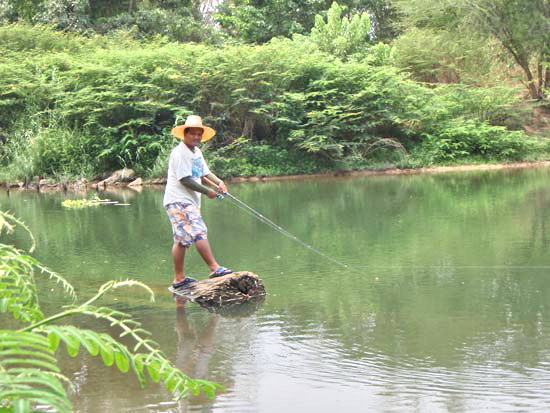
178	253
203	247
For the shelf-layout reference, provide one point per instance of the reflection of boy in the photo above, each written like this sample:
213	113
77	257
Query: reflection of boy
194	351
182	198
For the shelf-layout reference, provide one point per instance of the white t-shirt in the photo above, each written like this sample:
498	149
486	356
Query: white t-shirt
184	163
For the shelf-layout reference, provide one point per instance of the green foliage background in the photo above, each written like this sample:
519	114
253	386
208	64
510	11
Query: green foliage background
105	92
75	105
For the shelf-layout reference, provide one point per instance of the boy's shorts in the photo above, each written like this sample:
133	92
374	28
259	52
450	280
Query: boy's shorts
187	224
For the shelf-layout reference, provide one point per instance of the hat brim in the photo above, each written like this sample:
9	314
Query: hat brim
207	133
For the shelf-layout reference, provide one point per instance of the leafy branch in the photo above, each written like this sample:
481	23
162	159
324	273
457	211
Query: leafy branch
29	373
17	285
153	359
8	222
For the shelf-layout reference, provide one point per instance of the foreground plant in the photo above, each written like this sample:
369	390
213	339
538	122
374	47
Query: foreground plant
29	373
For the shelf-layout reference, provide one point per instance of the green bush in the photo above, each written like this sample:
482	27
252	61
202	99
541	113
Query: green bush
243	158
339	35
146	23
45	145
442	56
24	37
77	105
52	151
469	139
495	105
352	107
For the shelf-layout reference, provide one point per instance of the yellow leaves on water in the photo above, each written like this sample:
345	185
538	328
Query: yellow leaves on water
85	203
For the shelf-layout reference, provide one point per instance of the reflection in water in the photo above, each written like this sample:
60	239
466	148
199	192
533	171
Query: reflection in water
238	310
450	311
195	348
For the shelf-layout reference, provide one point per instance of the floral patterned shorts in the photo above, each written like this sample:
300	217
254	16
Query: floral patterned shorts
187	224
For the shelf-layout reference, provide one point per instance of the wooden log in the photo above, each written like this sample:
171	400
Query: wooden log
238	287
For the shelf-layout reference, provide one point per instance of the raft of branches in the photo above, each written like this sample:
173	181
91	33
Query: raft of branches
235	288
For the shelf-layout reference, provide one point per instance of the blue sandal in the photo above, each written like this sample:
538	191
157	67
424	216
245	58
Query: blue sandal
186	281
220	272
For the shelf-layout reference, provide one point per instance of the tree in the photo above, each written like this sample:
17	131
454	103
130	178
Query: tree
442	56
521	27
339	35
179	20
251	21
258	21
65	14
383	16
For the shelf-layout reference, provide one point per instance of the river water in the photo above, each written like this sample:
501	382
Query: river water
445	306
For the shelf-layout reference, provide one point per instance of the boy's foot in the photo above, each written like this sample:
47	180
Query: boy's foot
186	281
221	271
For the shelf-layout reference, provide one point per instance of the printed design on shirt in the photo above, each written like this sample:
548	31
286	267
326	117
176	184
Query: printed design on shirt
196	169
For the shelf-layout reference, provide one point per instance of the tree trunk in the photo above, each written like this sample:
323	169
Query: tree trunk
533	90
499	26
235	288
545	83
248	128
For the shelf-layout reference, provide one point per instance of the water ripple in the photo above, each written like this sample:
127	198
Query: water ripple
310	359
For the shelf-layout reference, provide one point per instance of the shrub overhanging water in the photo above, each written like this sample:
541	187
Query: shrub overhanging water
78	106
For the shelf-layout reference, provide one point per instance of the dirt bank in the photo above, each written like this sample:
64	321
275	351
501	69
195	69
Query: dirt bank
404	171
83	185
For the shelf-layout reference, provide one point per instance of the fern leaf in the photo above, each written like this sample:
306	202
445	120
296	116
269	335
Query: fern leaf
29	373
17	285
122	362
22	352
90	342
34	363
150	357
107	355
7	221
17	288
67	287
126	283
31	395
111	350
18	294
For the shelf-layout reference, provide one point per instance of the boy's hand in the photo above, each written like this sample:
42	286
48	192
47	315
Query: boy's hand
222	189
211	194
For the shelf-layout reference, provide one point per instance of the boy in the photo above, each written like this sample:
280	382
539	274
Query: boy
182	198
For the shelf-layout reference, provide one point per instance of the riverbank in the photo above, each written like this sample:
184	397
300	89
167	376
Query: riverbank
123	178
403	171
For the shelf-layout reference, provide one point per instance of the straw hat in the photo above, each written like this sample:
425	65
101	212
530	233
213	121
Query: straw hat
194	121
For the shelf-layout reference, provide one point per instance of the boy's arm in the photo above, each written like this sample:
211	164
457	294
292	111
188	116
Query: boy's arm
221	185
214	178
195	186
